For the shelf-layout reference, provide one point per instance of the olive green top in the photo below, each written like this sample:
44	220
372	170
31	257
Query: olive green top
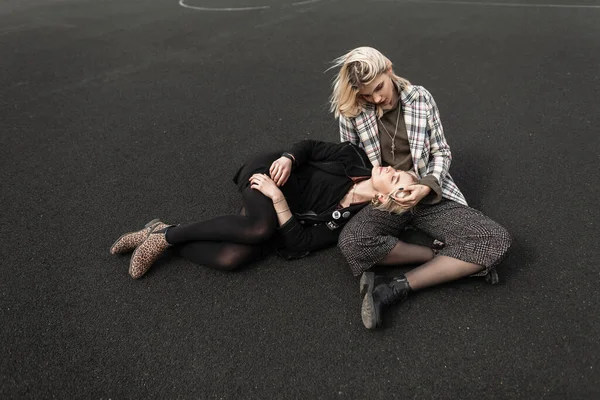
402	158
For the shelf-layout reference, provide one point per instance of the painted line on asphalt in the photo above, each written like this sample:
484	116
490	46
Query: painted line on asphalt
300	3
182	4
479	3
250	8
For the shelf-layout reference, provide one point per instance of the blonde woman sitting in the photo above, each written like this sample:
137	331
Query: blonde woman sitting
399	124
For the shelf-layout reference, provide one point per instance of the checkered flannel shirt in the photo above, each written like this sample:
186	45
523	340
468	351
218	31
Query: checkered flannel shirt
429	150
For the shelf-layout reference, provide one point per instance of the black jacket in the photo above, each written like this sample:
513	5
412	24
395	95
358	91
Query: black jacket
320	227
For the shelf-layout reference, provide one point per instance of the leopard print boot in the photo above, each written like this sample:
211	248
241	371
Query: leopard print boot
130	240
149	251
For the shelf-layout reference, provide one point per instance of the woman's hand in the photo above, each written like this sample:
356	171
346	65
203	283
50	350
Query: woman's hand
412	195
280	170
264	184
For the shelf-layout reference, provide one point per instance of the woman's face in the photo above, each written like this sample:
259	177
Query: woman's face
381	91
387	179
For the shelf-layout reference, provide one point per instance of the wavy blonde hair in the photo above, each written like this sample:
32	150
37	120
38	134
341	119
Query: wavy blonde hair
358	67
390	204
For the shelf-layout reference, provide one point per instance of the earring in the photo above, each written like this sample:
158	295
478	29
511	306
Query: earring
375	201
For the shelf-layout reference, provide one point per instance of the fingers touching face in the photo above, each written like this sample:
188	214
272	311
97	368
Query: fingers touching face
388	179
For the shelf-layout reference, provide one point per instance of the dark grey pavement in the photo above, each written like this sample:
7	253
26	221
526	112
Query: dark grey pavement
117	112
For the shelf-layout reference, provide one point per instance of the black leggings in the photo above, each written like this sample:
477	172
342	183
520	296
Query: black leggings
229	241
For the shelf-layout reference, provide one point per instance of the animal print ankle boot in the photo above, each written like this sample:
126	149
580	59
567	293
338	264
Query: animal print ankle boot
130	240
149	251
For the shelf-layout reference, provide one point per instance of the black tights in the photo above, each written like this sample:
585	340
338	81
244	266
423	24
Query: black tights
229	241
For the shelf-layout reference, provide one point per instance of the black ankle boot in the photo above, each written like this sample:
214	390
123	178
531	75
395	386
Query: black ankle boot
380	291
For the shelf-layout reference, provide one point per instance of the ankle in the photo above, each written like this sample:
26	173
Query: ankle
403	280
164	232
171	234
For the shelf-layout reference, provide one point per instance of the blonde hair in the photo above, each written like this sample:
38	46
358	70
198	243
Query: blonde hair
358	67
391	204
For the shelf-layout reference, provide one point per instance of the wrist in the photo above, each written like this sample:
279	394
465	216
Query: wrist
278	199
290	157
426	189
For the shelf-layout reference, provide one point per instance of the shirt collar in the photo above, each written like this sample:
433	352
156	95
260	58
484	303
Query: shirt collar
408	95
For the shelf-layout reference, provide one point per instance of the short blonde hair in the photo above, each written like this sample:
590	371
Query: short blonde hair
390	204
358	67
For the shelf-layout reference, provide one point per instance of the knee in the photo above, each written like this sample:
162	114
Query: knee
355	239
345	243
501	238
228	262
354	232
261	232
494	240
350	237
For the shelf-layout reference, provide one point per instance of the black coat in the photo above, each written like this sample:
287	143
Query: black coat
320	226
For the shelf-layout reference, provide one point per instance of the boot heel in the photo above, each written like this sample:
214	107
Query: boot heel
153	222
367	282
130	240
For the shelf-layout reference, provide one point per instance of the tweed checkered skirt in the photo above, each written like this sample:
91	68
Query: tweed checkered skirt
469	235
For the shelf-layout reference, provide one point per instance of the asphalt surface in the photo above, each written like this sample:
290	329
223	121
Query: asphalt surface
118	112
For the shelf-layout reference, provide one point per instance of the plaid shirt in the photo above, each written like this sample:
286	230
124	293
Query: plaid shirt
429	150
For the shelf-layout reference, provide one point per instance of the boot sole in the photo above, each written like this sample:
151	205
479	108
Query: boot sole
367	282
368	311
149	224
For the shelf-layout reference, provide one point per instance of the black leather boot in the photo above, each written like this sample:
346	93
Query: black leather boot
379	291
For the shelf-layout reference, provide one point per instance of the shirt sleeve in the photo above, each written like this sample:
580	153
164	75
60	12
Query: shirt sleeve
440	155
347	131
302	239
315	150
435	196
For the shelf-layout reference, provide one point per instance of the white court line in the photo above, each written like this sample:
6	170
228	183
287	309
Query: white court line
477	3
182	4
298	3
